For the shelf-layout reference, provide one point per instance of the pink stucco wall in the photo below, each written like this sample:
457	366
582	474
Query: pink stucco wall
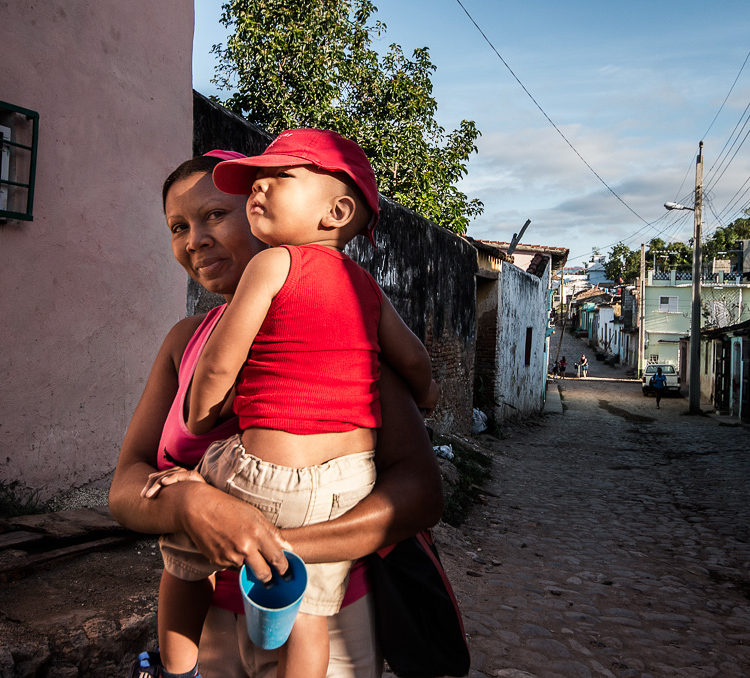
88	289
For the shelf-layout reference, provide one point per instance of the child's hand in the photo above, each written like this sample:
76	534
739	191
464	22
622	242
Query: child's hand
430	399
170	476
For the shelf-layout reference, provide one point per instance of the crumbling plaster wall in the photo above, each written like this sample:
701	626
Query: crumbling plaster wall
522	304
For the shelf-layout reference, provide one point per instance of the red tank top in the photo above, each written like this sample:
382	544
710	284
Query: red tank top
314	365
178	446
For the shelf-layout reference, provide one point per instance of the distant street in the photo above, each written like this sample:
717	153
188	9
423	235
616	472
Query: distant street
613	540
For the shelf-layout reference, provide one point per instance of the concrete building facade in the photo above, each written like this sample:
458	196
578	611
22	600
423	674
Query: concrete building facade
668	309
89	284
523	343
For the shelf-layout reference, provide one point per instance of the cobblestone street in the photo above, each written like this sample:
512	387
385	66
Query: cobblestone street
612	540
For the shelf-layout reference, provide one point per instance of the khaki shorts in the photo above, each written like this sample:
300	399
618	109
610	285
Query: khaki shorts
287	497
226	650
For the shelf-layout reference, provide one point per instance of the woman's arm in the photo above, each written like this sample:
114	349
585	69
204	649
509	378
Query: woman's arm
225	529
403	351
140	446
407	496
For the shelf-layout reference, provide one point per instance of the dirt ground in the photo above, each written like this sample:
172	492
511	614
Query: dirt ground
85	616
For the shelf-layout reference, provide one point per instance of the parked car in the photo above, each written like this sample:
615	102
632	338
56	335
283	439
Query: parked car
669	371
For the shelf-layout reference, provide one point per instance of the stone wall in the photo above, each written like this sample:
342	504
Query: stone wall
216	127
426	271
485	363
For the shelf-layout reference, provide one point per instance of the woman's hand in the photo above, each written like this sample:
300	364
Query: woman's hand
229	531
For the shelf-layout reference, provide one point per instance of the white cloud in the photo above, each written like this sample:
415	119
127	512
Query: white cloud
533	174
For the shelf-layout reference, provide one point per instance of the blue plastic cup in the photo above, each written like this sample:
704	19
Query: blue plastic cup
271	608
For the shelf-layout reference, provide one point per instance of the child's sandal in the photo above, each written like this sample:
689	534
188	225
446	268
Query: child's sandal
147	665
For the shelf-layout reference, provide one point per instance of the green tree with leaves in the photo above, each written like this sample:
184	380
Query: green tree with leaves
724	243
725	240
623	264
311	63
667	256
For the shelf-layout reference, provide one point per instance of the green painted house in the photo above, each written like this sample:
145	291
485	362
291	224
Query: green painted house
667	311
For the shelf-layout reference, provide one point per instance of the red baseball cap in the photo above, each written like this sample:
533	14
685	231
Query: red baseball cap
323	148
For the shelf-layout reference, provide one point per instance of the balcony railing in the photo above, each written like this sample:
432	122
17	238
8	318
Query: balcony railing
687	276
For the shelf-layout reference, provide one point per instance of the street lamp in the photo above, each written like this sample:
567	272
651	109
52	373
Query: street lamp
677	206
695	315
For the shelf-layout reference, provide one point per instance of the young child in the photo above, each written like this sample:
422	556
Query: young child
306	395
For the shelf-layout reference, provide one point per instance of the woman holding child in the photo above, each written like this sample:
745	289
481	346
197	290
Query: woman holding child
211	239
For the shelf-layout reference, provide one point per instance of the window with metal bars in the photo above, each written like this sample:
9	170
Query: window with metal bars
19	135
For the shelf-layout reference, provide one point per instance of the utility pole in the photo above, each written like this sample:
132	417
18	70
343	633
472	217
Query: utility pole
695	316
642	312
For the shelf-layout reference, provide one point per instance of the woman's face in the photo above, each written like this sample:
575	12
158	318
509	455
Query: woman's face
211	237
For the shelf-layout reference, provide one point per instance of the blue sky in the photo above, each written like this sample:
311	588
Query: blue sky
633	86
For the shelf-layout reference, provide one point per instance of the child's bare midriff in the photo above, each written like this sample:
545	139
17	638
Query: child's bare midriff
298	451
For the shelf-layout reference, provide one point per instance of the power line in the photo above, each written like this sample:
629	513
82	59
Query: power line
707	200
684	179
551	122
710	181
738	196
677	226
738	210
713	179
677	220
726	167
673	226
705	134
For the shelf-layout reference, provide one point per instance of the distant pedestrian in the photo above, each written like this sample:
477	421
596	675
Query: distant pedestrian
556	369
563	367
658	382
584	365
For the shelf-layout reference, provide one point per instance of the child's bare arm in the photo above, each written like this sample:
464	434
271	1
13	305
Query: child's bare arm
229	344
403	351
